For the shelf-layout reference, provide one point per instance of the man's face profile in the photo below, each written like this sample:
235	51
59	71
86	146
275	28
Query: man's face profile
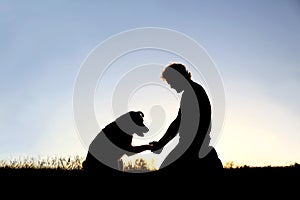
175	80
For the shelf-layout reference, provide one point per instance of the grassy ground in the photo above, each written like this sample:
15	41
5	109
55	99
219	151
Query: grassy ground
288	172
65	176
72	166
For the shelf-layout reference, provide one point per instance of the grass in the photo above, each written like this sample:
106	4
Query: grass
72	166
55	162
60	173
65	174
41	166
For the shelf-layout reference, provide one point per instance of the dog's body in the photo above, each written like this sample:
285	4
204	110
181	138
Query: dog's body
113	142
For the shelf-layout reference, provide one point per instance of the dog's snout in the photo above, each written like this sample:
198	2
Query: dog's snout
146	129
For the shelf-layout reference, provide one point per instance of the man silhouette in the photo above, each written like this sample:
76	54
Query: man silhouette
193	154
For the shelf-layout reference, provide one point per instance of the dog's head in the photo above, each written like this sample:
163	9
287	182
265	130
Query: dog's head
138	119
132	122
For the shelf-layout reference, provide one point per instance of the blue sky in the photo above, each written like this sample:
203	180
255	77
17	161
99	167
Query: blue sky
254	44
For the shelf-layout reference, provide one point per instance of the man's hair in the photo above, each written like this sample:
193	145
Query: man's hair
181	68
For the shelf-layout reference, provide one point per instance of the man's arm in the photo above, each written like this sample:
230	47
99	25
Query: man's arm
169	135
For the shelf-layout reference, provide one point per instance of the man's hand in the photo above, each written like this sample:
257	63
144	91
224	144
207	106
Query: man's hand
155	147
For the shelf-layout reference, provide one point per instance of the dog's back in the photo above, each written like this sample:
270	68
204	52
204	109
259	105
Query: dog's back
103	153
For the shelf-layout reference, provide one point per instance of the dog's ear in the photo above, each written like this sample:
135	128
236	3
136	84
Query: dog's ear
141	113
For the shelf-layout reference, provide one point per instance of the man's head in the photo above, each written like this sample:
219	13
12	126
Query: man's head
177	76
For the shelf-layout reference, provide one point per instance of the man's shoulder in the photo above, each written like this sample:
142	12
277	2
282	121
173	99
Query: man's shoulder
197	85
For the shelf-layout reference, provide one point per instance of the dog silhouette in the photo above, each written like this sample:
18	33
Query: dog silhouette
113	142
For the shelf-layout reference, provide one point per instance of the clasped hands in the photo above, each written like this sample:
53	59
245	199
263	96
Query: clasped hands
155	147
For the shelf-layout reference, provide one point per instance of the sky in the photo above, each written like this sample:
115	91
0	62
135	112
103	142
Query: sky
255	46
